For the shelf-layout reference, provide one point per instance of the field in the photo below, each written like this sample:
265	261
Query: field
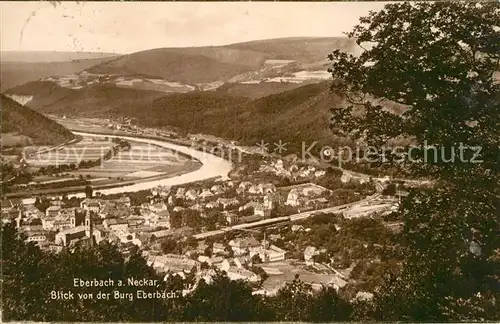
85	150
141	161
285	271
92	125
153	85
15	139
302	76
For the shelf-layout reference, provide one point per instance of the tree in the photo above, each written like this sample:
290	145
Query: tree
293	301
175	220
224	300
169	245
433	65
30	275
191	242
390	190
88	191
256	259
328	306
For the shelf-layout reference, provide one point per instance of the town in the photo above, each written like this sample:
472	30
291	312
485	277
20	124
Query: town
247	225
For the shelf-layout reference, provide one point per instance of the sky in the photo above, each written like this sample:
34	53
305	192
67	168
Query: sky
127	27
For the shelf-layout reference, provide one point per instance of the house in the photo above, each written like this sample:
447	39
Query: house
242	246
224	265
218	248
251	204
65	237
8	204
163	222
57	202
253	190
217	189
228	202
262	210
309	253
123	201
53	211
231	218
211	205
157	208
244	185
319	173
293	198
274	237
180	192
115	224
70	212
48	223
249	219
203	259
36	237
205	194
274	254
215	260
235	273
266	188
363	296
31	211
162	191
201	247
345	178
173	262
149	218
77	219
142	239
60	224
191	194
135	222
318	281
91	204
160	234
239	263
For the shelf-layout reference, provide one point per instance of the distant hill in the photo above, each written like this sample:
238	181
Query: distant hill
305	49
94	100
296	115
22	126
17	73
51	56
195	65
256	90
171	64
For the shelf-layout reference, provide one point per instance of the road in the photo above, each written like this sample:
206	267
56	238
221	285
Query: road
291	218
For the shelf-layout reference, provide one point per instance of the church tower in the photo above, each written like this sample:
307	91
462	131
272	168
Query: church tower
269	201
89	227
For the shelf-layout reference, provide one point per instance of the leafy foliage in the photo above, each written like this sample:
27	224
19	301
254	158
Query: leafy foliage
439	61
40	129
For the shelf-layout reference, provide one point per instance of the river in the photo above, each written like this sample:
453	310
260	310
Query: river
212	166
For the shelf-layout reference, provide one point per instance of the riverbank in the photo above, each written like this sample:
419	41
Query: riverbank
212	167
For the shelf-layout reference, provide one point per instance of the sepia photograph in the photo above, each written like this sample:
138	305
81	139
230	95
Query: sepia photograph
250	161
